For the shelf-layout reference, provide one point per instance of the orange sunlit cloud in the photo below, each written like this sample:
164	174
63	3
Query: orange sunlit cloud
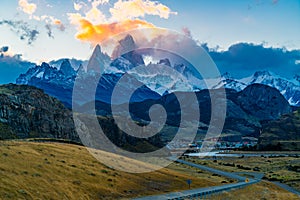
97	33
59	25
94	27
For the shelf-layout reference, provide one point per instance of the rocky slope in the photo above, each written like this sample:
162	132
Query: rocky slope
27	112
263	102
281	134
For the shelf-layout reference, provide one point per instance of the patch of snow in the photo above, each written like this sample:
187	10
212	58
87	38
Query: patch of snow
40	75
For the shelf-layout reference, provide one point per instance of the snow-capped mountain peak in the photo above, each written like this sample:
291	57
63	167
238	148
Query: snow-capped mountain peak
226	75
67	69
290	89
262	73
226	81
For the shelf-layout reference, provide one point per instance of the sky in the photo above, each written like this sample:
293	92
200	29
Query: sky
44	30
241	37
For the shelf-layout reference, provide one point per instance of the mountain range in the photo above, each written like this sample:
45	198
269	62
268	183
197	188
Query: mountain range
58	81
251	101
290	89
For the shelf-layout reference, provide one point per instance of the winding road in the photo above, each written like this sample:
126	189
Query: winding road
204	192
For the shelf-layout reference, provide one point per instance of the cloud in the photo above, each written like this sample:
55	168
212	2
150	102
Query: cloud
93	26
78	6
22	29
96	3
75	18
95	16
59	25
49	30
96	33
244	59
50	22
30	8
261	3
4	49
186	31
27	7
53	21
139	8
11	67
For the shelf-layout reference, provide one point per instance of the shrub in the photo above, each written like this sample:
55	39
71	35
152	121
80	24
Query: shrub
76	182
91	174
257	169
242	167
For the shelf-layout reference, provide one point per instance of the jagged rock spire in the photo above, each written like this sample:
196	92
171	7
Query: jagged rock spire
97	60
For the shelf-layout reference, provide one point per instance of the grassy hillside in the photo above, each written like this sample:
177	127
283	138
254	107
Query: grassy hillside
31	170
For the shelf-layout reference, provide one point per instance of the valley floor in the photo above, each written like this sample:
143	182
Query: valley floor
262	191
33	170
284	168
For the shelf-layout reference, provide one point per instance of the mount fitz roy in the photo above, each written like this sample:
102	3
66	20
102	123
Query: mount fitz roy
57	78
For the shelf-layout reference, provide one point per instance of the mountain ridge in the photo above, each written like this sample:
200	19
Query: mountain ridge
29	112
288	88
281	134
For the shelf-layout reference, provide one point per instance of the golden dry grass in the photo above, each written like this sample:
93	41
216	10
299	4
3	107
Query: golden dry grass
31	170
261	191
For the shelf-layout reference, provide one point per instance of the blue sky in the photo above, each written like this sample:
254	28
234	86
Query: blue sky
226	22
216	22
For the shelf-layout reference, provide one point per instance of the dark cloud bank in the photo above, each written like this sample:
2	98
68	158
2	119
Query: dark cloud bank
11	66
243	59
